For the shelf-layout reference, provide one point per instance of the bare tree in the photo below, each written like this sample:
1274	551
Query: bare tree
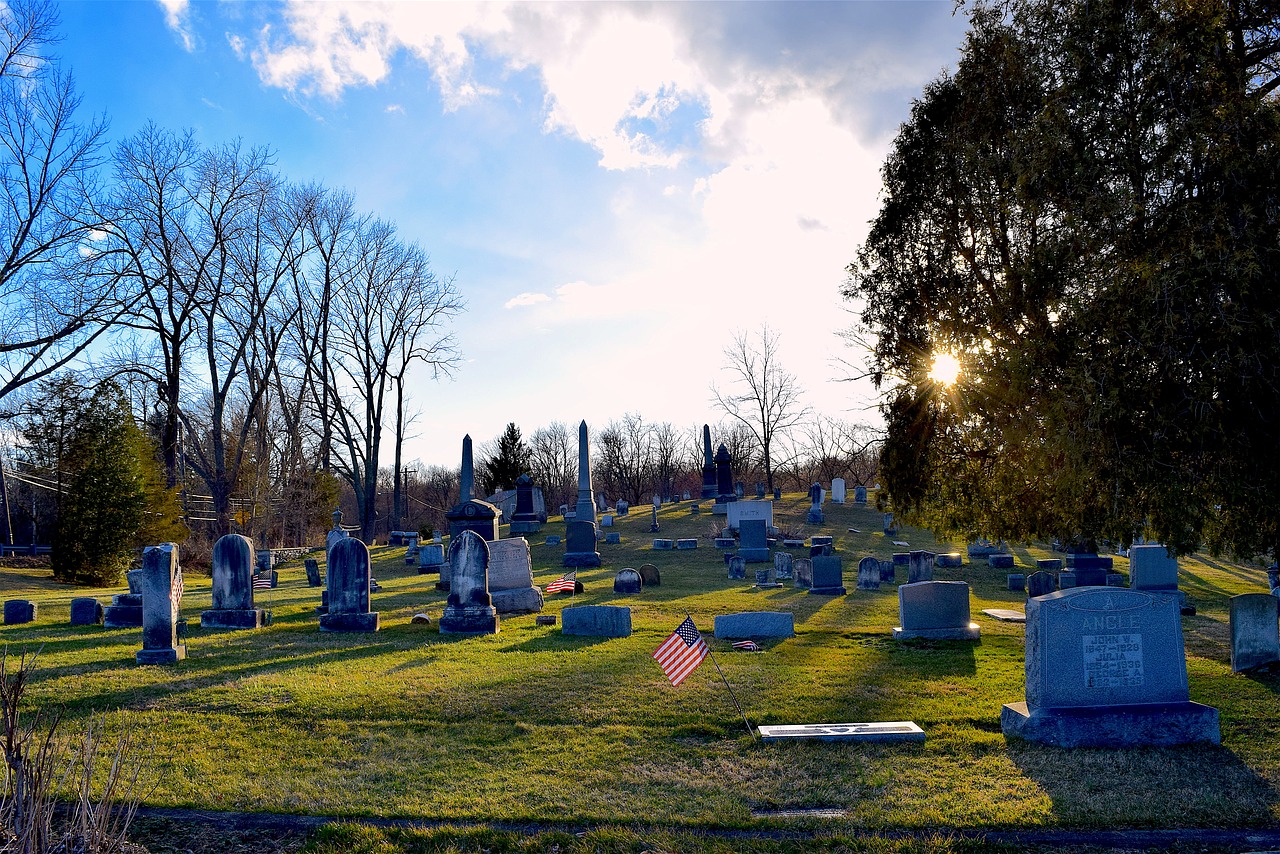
623	459
554	462
763	396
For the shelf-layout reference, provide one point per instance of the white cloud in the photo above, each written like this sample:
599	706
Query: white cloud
397	109
176	17
526	298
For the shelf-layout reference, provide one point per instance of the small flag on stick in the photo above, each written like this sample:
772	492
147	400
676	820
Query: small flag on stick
262	582
175	588
746	646
680	654
566	583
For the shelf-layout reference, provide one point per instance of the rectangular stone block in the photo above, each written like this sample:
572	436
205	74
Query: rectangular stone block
1255	630
934	605
755	624
510	565
885	731
19	611
828	575
86	611
1151	567
663	545
689	543
599	621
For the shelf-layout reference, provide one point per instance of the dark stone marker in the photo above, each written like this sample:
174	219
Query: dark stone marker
628	581
232	575
469	609
525	519
19	611
650	576
828	575
86	611
580	544
737	567
349	575
313	572
1040	583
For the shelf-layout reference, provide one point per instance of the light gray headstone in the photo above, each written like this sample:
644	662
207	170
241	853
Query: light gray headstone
869	574
737	567
600	621
1255	630
803	568
920	566
1151	567
783	563
160	575
232	573
934	608
755	624
838	490
1040	583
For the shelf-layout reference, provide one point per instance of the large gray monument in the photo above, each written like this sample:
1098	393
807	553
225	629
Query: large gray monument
525	520
580	532
232	572
586	506
1106	667
470	513
708	466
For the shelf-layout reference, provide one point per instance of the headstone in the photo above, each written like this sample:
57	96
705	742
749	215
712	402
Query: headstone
919	566
737	567
869	574
828	575
1255	631
336	533
134	578
232	581
1106	668
888	572
694	509
1000	561
19	611
821	541
654	527
803	567
545	620
663	545
859	495
739	491
430	558
1052	564
1151	567
1040	583
564	510
759	491
935	609
814	516
684	496
586	507
688	543
552	540
469	609
951	560
725	493
838	493
889	528
740	510
627	581
753	546
622	508
708	466
777	493
902	559
349	575
511	587
596	621
891	732
1066	579
782	566
125	610
755	624
984	547
725	542
470	513
765	579
650	576
313	572
613	538
1016	581
85	611
161	596
1090	570
580	544
525	520
606	521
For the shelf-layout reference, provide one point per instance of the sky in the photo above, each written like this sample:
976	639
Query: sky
617	189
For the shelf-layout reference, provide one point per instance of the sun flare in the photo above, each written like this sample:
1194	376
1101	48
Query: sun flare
945	369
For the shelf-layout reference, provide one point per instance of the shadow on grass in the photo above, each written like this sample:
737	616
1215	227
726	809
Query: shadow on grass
555	641
1201	583
1206	785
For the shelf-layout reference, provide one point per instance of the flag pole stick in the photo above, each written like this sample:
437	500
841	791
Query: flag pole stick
736	704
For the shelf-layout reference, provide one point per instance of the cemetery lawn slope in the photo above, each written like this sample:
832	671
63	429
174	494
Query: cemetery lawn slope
530	725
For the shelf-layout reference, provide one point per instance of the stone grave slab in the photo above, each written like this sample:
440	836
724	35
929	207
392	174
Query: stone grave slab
882	731
919	566
688	543
1000	561
803	569
1006	615
650	576
628	581
86	611
1040	583
1255	630
663	545
869	574
938	610
1151	567
755	624
737	567
511	587
19	611
950	560
828	575
783	563
596	621
754	546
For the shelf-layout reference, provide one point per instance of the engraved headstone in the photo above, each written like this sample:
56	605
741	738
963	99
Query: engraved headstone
1151	567
596	621
828	575
161	595
756	624
869	574
430	558
879	731
951	560
650	576
1050	564
888	572
85	611
737	567
628	581
919	566
814	516
1106	667
803	568
349	580
1016	581
753	541
469	609
1255	631
1000	561
313	572
1040	583
580	544
838	493
740	510
511	587
782	566
19	611
935	610
859	495
525	520
232	575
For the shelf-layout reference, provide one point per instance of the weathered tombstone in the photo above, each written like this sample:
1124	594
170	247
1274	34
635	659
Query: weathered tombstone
838	493
313	572
1107	668
525	520
1151	567
1066	579
755	624
134	579
654	527
161	595
919	566
606	521
552	540
580	544
622	508
759	491
650	576
828	575
737	567
232	576
511	587
902	559
86	611
613	538
803	567
1016	581
18	611
782	566
1255	631
1090	570
814	516
469	609
1040	583
1051	564
725	542
662	544
739	491
336	533
708	466
125	610
859	495
596	621
1000	561
564	511
753	541
888	572
430	558
687	543
869	574
348	589
695	509
889	528
935	609
628	581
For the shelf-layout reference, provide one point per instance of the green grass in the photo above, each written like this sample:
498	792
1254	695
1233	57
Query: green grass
531	726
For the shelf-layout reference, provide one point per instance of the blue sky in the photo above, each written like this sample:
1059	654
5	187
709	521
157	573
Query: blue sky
618	188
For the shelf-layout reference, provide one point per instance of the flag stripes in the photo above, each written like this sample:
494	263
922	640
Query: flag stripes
680	654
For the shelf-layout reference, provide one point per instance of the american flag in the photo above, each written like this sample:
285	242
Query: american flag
175	588
566	583
746	646
262	582
681	653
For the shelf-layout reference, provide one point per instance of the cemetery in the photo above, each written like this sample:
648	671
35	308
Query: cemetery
479	714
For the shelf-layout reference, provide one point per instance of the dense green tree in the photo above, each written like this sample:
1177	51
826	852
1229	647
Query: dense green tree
1088	214
505	460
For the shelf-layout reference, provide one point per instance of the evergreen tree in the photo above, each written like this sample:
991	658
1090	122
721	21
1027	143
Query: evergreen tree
505	460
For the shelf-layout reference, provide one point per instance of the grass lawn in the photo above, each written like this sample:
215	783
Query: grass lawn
531	726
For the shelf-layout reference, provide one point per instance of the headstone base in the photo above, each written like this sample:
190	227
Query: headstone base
478	620
720	509
231	619
1006	615
970	632
755	555
525	528
367	622
581	559
827	591
122	617
430	569
1150	725
161	656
